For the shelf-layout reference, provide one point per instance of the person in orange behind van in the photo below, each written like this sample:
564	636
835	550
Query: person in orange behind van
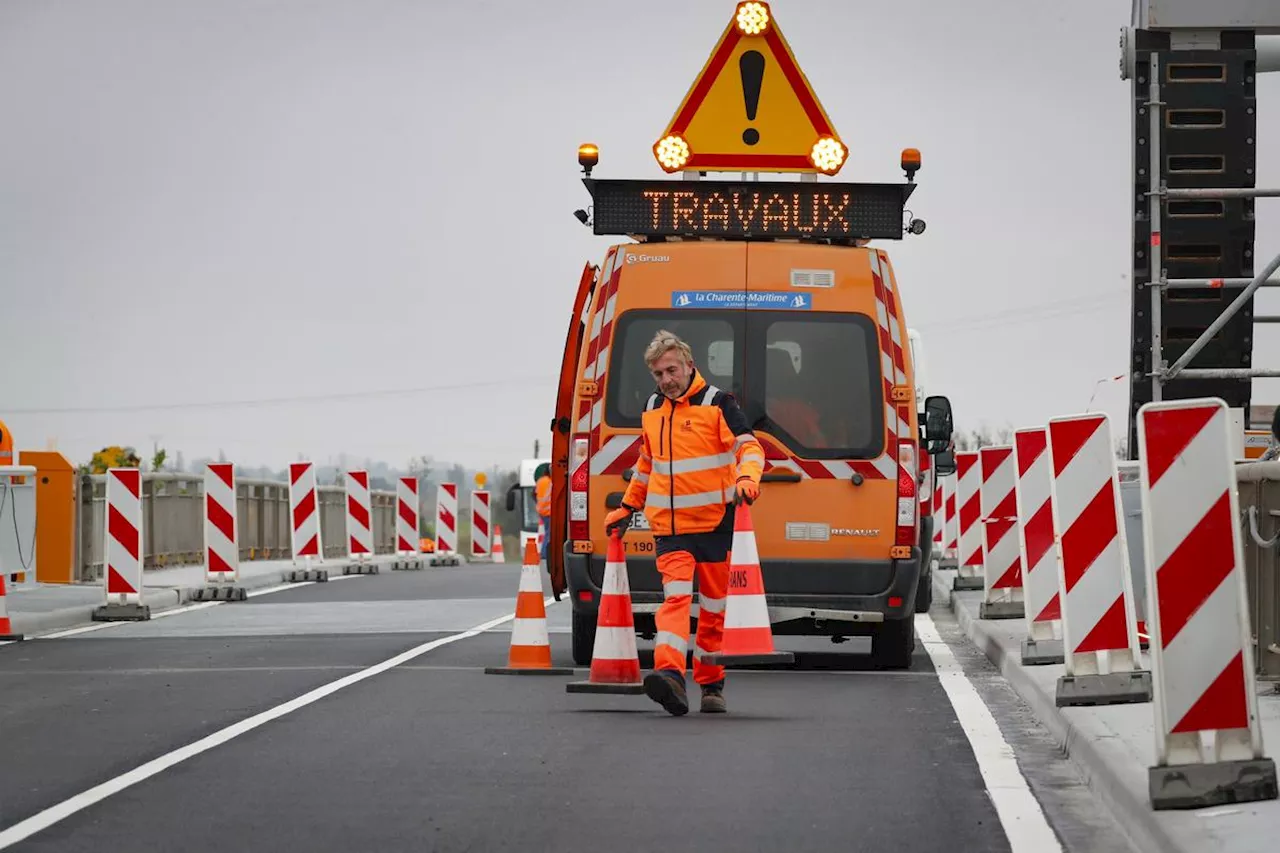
6	445
542	492
698	460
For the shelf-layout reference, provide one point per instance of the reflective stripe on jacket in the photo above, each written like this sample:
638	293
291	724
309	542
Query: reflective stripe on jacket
693	450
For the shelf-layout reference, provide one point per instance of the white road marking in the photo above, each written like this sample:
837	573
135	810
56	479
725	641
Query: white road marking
43	820
200	605
1024	822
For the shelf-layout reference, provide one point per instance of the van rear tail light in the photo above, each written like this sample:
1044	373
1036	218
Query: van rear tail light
908	498
579	468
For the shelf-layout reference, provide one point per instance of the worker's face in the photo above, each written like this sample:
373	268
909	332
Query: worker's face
672	373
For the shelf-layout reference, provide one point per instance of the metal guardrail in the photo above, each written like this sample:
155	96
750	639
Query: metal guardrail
17	524
173	521
1259	493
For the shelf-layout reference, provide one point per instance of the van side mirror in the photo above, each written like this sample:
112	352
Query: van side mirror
938	425
511	498
944	463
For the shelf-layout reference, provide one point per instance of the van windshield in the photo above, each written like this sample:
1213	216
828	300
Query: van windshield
812	381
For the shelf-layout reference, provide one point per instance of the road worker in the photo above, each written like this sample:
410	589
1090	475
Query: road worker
542	494
6	445
698	460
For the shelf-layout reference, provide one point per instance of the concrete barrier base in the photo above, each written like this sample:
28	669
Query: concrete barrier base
360	568
1041	652
1110	689
967	584
313	575
1194	786
220	593
122	613
1002	610
408	564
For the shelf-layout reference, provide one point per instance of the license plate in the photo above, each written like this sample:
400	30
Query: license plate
638	521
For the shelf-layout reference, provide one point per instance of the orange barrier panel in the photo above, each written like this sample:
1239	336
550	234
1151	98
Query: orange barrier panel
55	515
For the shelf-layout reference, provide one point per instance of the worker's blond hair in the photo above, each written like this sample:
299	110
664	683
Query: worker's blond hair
662	343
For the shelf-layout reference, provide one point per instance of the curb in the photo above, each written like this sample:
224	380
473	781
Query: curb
160	599
1102	772
65	618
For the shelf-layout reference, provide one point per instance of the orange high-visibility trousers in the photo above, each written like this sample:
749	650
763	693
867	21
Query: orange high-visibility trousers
672	619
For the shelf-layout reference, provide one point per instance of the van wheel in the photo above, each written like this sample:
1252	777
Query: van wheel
584	637
924	591
893	644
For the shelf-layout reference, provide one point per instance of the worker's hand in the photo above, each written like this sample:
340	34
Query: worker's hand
619	519
746	490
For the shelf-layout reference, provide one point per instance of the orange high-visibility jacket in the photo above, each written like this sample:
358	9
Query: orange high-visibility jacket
692	452
6	445
542	491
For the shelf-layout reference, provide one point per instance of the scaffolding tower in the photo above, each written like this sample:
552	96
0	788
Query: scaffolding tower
1192	68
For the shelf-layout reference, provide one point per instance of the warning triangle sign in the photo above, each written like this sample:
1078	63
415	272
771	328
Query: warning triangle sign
751	109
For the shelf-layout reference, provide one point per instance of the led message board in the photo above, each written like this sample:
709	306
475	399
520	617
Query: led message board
749	209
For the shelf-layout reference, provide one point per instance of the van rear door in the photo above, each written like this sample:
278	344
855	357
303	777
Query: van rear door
561	428
815	394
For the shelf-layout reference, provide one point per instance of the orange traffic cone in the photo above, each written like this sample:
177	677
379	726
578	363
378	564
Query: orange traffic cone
499	555
6	627
748	638
615	663
530	652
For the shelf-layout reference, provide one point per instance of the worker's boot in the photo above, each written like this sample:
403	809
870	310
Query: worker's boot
713	698
666	687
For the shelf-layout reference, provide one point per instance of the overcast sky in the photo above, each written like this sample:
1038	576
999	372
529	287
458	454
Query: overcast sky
221	202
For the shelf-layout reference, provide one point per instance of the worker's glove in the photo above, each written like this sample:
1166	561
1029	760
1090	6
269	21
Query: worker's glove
746	490
619	520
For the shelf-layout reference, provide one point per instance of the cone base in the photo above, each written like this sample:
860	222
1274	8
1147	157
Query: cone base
743	660
527	670
618	688
12	638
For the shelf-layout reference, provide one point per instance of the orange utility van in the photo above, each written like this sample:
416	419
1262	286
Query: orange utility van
787	306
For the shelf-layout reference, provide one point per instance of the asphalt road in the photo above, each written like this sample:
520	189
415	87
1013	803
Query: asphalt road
431	753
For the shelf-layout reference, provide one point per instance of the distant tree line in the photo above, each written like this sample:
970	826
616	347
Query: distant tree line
975	438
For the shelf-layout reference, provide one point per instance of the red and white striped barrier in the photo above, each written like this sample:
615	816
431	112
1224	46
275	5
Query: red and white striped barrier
1002	554
221	542
407	515
481	545
408	551
122	554
446	552
1201	640
936	506
1039	552
221	545
304	520
950	522
1100	637
359	516
969	574
304	511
